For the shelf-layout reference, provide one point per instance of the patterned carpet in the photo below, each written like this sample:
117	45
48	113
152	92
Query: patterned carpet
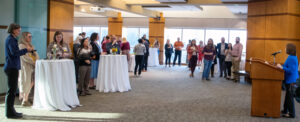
162	95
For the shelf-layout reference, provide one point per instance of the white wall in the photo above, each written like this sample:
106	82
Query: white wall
170	22
7	17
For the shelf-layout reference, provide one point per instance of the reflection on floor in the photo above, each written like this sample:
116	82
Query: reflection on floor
162	94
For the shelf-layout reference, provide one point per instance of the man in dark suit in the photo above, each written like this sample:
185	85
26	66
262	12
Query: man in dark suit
221	55
145	61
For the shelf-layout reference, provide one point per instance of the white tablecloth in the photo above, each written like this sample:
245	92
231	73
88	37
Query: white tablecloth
131	64
153	57
113	74
55	85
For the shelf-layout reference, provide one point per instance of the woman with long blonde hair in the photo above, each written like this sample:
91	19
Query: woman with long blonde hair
26	80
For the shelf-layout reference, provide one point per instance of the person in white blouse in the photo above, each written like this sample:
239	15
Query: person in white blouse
26	79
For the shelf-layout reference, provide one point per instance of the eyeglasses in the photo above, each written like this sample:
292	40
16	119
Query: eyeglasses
30	36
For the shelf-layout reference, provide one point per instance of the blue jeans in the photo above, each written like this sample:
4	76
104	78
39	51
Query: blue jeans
206	70
177	53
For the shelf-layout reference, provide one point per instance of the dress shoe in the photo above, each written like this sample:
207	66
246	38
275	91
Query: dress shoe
288	116
20	114
93	87
88	93
283	112
16	116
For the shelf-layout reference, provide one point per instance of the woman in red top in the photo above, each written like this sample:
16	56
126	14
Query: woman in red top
193	56
125	47
103	46
200	57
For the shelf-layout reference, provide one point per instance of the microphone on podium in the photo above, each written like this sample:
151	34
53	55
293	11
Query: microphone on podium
275	53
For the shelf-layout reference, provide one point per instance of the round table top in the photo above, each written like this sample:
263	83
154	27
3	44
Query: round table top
57	60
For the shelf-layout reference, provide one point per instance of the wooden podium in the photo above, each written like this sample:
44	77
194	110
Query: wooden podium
266	88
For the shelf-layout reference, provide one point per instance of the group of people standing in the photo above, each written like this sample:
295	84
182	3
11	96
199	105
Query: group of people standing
87	53
229	56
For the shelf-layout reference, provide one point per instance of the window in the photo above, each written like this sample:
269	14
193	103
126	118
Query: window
90	30
238	33
189	34
103	33
76	31
133	34
144	31
216	35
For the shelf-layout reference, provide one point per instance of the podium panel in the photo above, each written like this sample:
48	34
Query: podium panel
266	89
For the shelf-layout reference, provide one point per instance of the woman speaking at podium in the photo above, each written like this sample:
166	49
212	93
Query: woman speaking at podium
290	68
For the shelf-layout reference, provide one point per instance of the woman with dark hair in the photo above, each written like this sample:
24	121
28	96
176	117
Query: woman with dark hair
228	61
96	51
139	51
63	49
12	67
103	44
84	56
209	52
193	56
290	68
168	52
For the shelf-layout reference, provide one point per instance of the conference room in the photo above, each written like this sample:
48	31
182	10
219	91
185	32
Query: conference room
149	60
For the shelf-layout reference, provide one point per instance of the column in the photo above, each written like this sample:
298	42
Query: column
271	25
115	25
156	31
60	18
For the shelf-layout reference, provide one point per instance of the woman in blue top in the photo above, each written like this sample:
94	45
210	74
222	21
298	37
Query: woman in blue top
168	52
96	52
290	68
12	67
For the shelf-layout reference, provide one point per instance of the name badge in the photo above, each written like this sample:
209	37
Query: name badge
65	49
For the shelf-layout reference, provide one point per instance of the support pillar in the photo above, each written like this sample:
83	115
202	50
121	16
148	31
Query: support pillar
60	18
156	31
115	25
271	25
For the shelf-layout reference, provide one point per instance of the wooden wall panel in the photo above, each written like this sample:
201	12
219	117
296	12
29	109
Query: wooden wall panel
60	18
293	7
294	27
255	47
275	23
277	26
256	8
156	31
256	27
115	26
276	6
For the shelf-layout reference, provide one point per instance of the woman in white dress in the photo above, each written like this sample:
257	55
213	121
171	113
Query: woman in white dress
26	80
